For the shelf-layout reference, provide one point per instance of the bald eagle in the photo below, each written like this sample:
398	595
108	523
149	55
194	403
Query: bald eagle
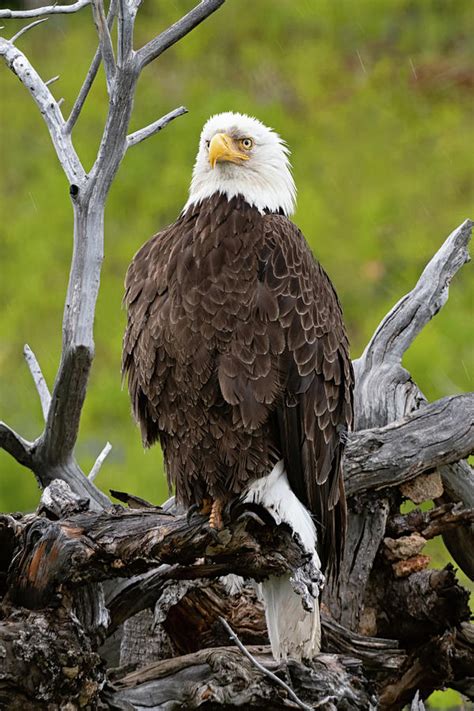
237	358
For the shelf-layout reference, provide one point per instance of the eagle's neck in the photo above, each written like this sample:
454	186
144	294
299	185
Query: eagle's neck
271	190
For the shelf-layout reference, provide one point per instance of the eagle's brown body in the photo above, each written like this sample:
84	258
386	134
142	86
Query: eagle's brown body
237	356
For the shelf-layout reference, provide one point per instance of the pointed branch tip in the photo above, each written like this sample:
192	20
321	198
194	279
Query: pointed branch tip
15	445
28	27
99	461
39	380
52	80
152	128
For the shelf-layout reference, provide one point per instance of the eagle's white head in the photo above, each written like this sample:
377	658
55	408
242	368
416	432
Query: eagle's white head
238	155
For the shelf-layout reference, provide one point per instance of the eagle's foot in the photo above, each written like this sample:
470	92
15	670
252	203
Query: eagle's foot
215	517
244	511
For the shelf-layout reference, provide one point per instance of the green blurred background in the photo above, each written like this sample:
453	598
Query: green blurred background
375	99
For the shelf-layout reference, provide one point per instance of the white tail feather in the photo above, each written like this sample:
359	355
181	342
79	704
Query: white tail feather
293	631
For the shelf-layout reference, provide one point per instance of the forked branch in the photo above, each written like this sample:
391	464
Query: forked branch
385	391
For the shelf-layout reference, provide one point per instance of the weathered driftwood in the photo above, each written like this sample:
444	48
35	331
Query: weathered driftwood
221	677
385	390
386	399
92	547
439	433
430	604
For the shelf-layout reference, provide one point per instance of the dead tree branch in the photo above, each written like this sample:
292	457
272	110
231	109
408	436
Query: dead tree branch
26	29
99	461
39	381
105	42
176	32
48	106
386	400
56	558
46	10
385	391
430	523
16	446
102	545
266	672
189	681
91	75
438	433
148	131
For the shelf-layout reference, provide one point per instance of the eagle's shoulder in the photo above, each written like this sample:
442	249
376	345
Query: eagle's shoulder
148	265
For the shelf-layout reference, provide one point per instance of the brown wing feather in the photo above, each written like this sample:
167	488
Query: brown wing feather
144	360
316	407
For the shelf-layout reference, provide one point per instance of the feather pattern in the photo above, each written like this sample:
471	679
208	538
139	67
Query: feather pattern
237	357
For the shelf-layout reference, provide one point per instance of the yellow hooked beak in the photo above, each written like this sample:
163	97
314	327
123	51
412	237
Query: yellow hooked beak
222	148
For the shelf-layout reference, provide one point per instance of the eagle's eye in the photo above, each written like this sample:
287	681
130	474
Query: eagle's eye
246	143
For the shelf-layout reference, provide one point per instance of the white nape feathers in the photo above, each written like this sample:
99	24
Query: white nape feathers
264	179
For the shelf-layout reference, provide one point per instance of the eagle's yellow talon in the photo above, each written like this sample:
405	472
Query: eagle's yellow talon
215	517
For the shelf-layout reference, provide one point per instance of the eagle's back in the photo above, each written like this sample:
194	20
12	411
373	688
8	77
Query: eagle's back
237	356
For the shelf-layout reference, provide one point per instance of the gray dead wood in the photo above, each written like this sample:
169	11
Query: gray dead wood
386	392
57	558
38	378
388	401
458	488
191	680
439	433
45	10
